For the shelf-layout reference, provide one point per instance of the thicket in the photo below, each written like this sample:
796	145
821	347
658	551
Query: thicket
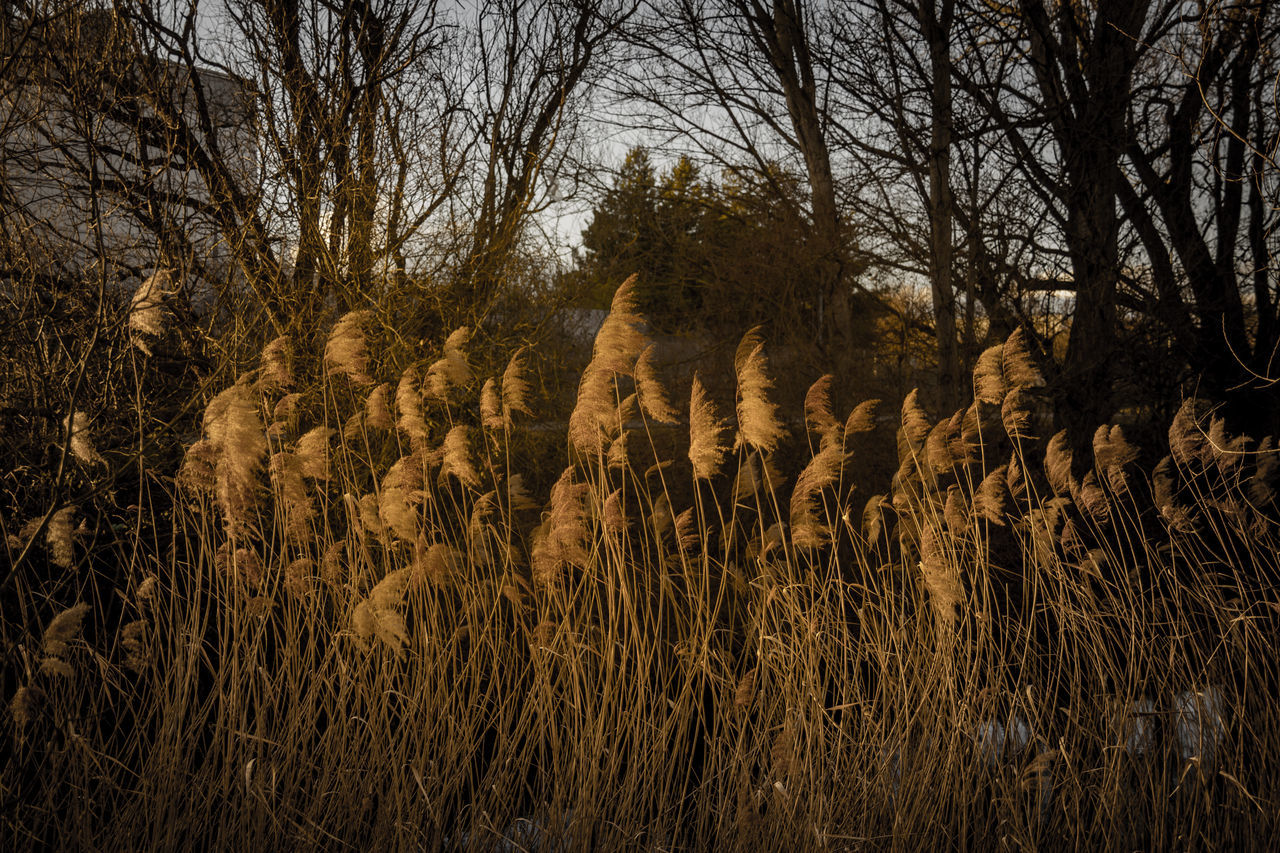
358	626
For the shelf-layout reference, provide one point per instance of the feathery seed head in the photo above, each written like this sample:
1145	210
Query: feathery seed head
1058	463
275	372
988	375
706	451
515	387
452	370
490	406
1019	367
291	491
653	397
346	352
63	629
409	404
862	418
146	309
25	706
1015	414
457	457
817	412
313	452
823	470
564	533
593	411
992	497
619	341
758	423
941	577
60	536
915	428
1187	436
377	408
82	439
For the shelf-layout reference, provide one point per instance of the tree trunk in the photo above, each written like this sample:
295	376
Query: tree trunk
935	23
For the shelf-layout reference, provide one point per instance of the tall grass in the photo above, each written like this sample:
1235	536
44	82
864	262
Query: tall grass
368	635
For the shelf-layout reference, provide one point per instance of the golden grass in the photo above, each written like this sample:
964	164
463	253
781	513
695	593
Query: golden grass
380	639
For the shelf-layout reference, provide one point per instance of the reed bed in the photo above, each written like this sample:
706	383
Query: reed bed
369	633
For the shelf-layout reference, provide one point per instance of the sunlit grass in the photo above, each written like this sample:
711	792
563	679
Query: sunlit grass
368	634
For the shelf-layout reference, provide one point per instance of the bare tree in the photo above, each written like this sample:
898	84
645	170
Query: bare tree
740	81
533	63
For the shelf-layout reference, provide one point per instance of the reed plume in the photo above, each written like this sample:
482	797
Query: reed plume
397	514
612	518
409	404
199	471
937	449
491	406
1058	463
1092	500
619	341
1187	439
955	510
687	532
515	388
873	524
593	411
146	310
1016	478
807	530
757	475
239	564
25	707
377	408
817	412
564	533
136	645
617	347
1016	415
313	453
235	430
457	457
1227	452
82	448
1112	454
915	428
284	416
451	370
60	537
862	418
992	497
362	516
287	479
616	456
61	631
1018	364
980	426
653	397
758	423
988	376
298	575
706	451
377	617
941	579
518	497
437	563
333	563
275	365
346	353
